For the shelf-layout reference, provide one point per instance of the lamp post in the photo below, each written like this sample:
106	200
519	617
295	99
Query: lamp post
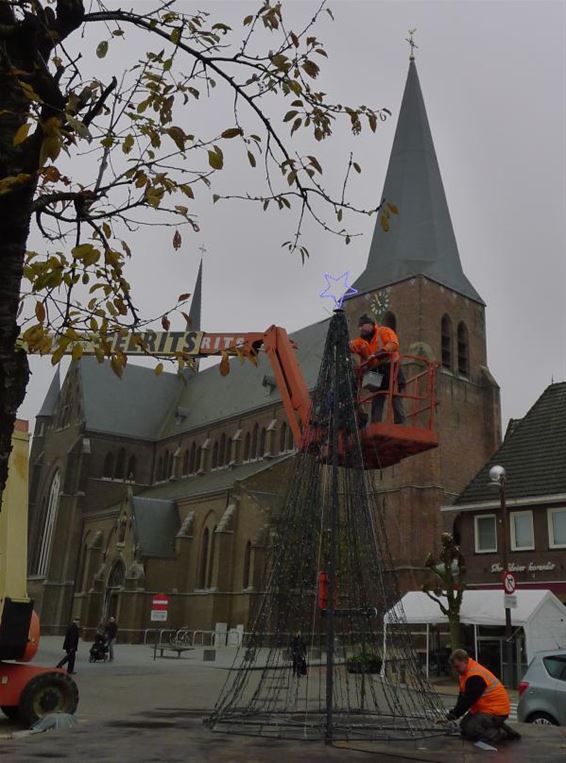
498	477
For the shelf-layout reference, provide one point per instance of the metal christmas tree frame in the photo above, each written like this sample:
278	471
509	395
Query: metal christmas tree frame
318	663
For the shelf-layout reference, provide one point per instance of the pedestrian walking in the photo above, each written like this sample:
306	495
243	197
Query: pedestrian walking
111	633
70	646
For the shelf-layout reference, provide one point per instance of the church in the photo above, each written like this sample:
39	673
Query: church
161	485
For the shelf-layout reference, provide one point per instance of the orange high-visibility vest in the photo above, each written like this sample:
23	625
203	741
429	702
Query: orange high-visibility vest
383	338
494	700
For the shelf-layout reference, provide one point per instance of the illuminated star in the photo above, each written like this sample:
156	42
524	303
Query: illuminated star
338	288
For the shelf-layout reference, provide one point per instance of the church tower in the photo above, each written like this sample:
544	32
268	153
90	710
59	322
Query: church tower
414	282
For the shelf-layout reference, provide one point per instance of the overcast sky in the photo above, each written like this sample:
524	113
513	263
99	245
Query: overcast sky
493	80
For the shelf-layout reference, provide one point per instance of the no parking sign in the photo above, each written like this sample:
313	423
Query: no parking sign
509	583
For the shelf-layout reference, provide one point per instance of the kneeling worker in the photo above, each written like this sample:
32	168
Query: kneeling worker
485	700
378	347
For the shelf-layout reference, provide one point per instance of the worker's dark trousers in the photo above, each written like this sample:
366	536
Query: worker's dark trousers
484	727
69	659
379	401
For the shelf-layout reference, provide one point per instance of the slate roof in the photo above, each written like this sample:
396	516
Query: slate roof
210	397
156	525
211	482
533	454
421	239
134	406
50	401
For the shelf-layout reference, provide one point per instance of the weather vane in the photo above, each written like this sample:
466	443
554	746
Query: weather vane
202	249
338	288
412	43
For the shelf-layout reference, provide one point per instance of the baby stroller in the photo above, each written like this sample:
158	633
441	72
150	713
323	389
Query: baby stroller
99	650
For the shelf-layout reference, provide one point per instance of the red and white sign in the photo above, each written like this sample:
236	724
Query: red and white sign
159	606
509	583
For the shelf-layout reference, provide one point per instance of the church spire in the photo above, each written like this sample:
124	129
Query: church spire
420	240
194	322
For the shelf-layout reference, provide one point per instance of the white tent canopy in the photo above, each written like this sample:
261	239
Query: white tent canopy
539	612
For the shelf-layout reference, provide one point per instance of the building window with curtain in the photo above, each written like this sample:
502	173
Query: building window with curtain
522	531
485	531
557	528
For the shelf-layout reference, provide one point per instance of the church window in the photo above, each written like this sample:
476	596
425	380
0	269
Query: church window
255	432
446	341
463	350
283	438
49	526
198	458
108	468
222	451
290	440
203	558
159	470
120	464
131	472
185	466
390	320
261	444
247	446
215	455
247	564
166	466
210	576
192	459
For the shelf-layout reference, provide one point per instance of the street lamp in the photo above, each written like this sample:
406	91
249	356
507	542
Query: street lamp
498	478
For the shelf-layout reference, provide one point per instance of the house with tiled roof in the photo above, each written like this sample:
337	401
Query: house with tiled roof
533	455
152	485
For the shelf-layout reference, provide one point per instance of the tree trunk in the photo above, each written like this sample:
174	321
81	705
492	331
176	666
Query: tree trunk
455	632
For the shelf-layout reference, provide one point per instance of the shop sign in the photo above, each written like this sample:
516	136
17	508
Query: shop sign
530	567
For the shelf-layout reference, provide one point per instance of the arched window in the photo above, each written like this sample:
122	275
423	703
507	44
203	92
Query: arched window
283	438
253	450
228	451
222	450
108	468
192	457
389	320
446	341
120	464
166	466
49	526
131	473
209	580
198	458
113	586
185	466
214	455
261	444
463	350
247	562
290	440
203	558
159	470
247	447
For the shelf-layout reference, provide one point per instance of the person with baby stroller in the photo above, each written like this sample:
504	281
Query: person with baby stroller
99	650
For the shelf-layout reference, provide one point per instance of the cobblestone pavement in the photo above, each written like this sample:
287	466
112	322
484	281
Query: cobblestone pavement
137	709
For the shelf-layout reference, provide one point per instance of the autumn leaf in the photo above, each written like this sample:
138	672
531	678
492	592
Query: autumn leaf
177	240
392	208
158	369
102	49
165	322
225	364
117	365
232	132
183	297
21	134
251	159
216	159
40	311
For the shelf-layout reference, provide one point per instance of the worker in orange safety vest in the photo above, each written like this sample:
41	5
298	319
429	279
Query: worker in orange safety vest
377	348
483	702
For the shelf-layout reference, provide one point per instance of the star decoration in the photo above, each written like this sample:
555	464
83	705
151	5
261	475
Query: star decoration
338	288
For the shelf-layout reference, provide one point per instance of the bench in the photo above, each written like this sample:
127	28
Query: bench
171	647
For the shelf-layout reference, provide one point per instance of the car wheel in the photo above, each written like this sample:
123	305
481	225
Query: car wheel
542	719
48	693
